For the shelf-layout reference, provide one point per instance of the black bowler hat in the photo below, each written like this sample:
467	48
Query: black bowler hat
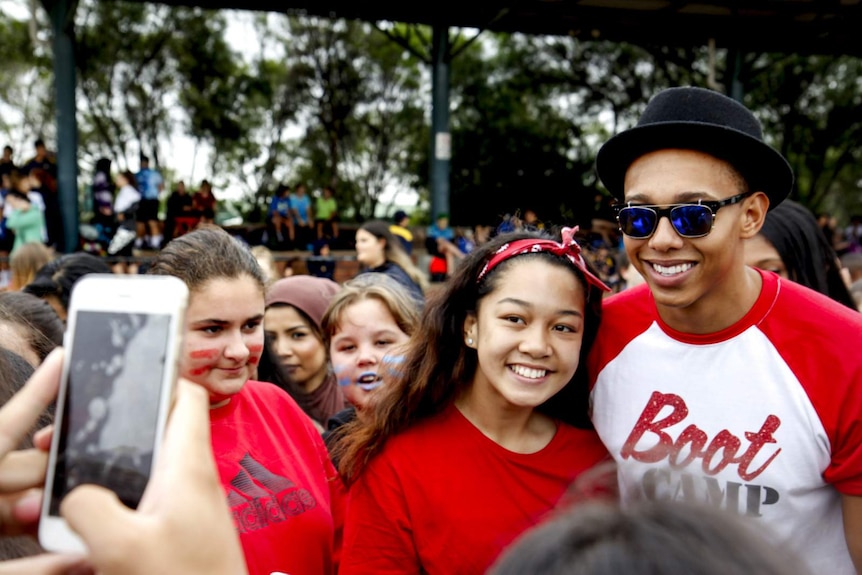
703	120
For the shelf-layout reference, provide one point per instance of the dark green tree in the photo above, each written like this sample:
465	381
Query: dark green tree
25	69
365	122
811	107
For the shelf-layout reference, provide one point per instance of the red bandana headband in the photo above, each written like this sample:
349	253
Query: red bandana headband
568	248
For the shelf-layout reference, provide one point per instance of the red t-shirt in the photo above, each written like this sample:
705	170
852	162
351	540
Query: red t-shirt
286	498
442	498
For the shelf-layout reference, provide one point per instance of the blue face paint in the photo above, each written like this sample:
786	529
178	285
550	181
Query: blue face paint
391	361
338	370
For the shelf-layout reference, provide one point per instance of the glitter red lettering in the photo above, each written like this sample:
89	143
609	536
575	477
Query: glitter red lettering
725	445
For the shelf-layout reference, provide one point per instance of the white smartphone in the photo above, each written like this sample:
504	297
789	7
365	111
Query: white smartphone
122	348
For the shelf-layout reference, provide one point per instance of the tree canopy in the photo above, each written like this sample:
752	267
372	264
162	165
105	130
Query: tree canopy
346	104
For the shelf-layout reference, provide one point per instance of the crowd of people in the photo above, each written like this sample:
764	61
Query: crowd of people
126	211
295	220
688	404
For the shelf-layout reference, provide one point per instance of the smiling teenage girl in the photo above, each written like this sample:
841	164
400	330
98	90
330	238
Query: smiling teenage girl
475	442
285	496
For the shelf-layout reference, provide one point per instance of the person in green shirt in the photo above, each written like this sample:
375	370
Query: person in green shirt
326	214
26	221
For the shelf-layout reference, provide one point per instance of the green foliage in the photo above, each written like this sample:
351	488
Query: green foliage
812	108
126	75
365	116
347	104
26	75
530	113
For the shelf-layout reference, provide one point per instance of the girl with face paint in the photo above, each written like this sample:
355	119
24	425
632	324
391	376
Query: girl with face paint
484	427
365	328
274	497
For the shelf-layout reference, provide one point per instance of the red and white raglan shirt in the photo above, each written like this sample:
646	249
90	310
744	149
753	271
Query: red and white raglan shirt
763	418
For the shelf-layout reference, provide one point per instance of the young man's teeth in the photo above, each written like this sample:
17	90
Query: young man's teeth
529	372
671	270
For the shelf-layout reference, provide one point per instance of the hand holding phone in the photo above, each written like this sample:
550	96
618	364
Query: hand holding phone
122	345
21	471
182	525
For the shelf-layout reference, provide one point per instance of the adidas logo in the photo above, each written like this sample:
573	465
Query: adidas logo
260	498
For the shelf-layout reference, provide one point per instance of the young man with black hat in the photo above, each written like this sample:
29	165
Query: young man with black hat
717	382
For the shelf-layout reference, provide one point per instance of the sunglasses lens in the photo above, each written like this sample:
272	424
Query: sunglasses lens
637	222
691	221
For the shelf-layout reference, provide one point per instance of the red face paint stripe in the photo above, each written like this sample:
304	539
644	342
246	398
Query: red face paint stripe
204	354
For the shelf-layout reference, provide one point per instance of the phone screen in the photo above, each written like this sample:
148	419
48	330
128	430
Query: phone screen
111	407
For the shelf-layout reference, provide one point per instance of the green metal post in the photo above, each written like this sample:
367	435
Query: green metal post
441	142
61	13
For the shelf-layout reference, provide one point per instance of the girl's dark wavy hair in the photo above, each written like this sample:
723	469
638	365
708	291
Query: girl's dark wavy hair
805	250
438	365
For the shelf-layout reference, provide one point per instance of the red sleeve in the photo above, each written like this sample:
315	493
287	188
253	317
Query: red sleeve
821	340
378	537
624	316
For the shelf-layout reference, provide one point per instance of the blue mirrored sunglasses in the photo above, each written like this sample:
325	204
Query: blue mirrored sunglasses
688	220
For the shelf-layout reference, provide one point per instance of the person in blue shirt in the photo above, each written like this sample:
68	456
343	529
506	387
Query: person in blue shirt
440	242
279	217
303	220
150	184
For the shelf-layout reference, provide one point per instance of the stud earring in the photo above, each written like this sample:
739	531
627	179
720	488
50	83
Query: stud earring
469	341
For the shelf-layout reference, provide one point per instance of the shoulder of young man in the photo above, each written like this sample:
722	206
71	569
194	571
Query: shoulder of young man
818	312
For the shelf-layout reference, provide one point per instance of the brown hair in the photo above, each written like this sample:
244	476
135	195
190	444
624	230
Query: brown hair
42	326
26	261
380	287
205	254
657	537
438	366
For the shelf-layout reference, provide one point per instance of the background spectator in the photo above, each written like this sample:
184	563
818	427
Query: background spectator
279	218
326	215
303	219
399	229
24	264
24	219
179	205
150	185
791	244
54	282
